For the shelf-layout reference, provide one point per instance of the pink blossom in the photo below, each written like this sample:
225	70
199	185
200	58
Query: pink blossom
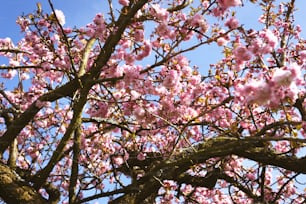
14	62
124	2
135	95
282	146
187	189
282	77
242	53
265	44
199	21
23	23
205	4
232	23
168	101
295	70
303	55
141	156
171	79
99	109
251	176
159	13
34	153
256	91
60	17
256	47
10	74
139	113
269	37
99	20
68	30
118	160
169	185
146	50
22	162
288	78
139	35
292	92
43	22
229	3
163	30
222	41
6	43
129	58
156	43
131	72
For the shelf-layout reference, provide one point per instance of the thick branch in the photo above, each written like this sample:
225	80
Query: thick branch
14	190
209	180
76	120
19	123
299	105
270	157
175	168
75	165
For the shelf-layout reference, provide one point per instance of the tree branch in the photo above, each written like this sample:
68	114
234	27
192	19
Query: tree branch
14	190
175	168
75	165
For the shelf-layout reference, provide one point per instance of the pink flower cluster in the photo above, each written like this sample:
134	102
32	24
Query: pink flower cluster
124	2
158	12
265	43
228	3
60	17
96	29
6	43
271	91
223	6
198	21
232	23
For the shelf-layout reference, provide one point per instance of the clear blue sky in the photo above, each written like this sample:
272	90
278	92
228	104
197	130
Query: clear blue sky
78	12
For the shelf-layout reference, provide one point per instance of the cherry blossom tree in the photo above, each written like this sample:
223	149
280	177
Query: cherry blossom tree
117	110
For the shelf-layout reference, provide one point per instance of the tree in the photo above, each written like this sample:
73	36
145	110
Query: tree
115	109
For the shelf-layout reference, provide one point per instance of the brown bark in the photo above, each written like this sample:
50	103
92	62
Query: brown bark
14	190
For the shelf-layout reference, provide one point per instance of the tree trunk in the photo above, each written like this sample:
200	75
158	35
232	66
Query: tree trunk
14	190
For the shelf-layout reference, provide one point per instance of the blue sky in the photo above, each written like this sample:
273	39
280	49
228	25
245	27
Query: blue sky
78	12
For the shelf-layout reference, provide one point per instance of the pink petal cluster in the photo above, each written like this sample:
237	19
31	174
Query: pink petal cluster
232	23
303	55
145	50
171	80
99	110
60	17
198	21
265	44
229	3
283	84
124	2
159	13
242	54
6	43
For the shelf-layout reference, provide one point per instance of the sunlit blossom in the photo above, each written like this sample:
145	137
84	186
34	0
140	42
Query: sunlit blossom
60	17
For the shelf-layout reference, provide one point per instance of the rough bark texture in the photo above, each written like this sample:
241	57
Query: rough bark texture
14	190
